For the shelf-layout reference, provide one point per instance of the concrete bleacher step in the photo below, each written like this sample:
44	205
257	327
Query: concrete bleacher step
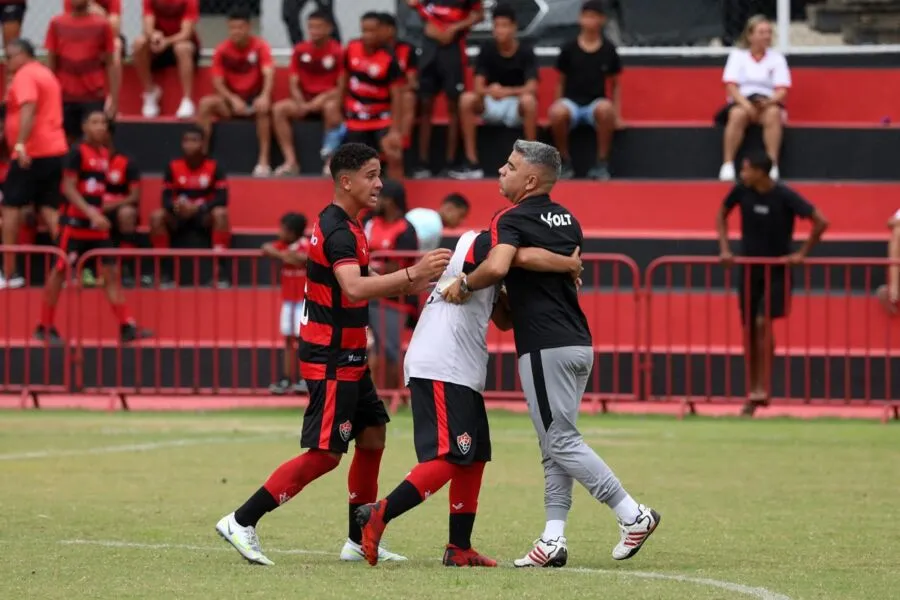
833	16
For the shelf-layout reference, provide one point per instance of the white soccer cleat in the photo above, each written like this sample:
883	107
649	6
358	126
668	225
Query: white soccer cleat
546	553
634	535
727	173
774	173
185	109
353	552
244	540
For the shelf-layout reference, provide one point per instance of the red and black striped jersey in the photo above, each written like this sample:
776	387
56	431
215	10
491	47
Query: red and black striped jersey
333	331
122	176
370	77
405	54
87	165
203	183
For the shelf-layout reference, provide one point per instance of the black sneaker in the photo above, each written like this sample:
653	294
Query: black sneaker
469	170
48	334
567	171
281	387
131	332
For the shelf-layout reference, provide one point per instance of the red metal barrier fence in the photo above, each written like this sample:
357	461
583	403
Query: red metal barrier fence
676	334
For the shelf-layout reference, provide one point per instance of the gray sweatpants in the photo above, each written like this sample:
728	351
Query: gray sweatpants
554	381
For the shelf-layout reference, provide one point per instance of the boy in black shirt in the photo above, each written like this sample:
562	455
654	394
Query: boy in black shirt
585	64
505	90
768	213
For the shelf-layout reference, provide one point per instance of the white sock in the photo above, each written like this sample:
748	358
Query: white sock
554	530
627	510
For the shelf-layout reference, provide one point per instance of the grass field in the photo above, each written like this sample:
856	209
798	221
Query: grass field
124	506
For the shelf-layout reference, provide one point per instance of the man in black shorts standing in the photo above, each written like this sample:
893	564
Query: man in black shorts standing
343	402
442	68
768	212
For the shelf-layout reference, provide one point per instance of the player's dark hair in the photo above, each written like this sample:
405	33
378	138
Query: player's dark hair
758	159
594	6
239	13
386	18
370	15
193	129
24	46
394	190
350	158
504	11
457	200
295	223
320	15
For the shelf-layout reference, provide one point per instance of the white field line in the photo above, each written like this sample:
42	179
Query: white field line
737	588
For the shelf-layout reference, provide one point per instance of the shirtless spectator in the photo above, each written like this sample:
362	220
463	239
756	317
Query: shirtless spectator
316	67
890	294
169	39
757	79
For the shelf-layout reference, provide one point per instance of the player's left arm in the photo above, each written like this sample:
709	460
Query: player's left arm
267	64
113	72
802	208
545	261
398	89
191	16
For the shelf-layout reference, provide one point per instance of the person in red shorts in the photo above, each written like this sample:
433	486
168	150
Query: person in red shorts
291	249
316	67
111	10
12	13
243	76
194	203
343	403
80	50
406	56
85	228
169	39
37	145
372	87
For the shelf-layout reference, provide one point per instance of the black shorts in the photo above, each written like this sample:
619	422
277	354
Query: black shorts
37	186
167	59
370	138
442	69
12	13
449	421
338	411
74	114
75	247
721	116
764	292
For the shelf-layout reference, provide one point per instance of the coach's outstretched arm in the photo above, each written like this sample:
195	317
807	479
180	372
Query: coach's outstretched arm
409	280
544	261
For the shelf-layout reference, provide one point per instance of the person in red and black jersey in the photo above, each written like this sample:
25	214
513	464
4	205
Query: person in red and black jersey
343	403
442	68
194	201
407	58
80	50
388	230
372	90
120	205
291	249
243	76
12	13
85	228
316	67
111	10
168	39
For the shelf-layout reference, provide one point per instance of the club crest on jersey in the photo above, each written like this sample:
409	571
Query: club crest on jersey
345	429
464	441
328	62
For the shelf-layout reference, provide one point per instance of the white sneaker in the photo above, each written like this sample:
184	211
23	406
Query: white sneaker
726	172
546	553
634	535
185	109
150	109
244	540
13	283
262	171
353	552
773	173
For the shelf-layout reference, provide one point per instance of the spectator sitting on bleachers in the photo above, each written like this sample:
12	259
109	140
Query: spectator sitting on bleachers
890	294
243	77
168	39
429	224
582	99
111	10
757	79
121	205
506	84
316	67
405	53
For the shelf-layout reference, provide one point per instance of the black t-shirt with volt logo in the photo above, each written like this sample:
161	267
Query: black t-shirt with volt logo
545	309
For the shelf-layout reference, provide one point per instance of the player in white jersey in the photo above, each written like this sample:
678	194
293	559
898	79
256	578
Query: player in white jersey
445	370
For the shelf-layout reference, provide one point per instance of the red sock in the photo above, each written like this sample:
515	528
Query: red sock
362	484
465	487
160	241
429	477
294	475
221	240
48	313
123	315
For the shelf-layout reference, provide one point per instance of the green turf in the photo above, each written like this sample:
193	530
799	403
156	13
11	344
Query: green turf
802	509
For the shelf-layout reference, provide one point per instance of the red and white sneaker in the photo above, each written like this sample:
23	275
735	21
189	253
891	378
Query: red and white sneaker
457	557
546	553
634	535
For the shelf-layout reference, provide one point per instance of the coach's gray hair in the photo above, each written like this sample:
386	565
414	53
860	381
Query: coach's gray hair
541	155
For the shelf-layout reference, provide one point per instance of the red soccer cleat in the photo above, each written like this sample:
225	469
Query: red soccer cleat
457	557
370	518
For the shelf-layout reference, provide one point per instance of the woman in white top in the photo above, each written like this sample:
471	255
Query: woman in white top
757	80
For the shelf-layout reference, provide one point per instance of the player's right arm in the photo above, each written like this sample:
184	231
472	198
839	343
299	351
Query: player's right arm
732	200
71	168
538	259
168	192
149	21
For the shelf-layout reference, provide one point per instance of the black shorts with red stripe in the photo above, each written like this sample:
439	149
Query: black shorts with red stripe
450	422
338	411
76	242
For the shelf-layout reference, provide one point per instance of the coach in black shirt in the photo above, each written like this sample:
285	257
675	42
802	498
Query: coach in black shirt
506	86
585	66
555	350
768	212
